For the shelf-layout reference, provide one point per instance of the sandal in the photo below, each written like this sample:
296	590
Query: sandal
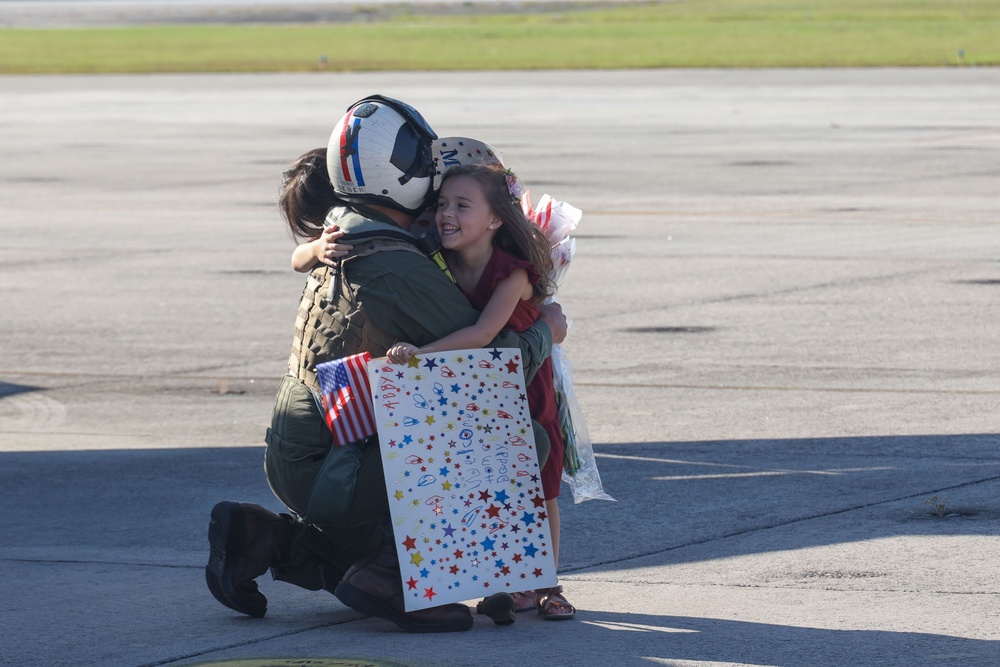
552	606
499	607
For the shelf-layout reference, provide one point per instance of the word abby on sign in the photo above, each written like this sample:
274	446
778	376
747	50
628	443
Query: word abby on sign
462	476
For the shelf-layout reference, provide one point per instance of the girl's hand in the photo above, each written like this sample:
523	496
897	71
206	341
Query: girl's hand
326	248
400	353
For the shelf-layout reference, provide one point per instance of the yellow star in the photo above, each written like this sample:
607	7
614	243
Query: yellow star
446	486
416	558
414	362
399	495
430	419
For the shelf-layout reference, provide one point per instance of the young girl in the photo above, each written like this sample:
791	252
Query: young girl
501	262
305	198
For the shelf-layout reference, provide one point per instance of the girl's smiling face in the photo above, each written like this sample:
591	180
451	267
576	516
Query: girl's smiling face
464	219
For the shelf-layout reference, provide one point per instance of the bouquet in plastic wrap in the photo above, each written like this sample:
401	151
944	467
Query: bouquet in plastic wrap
556	220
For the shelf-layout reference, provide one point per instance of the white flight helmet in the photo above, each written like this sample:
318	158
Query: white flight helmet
380	153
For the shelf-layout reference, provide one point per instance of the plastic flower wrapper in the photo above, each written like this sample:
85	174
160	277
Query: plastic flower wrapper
557	220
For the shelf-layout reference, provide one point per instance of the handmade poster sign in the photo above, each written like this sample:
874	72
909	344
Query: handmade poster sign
462	476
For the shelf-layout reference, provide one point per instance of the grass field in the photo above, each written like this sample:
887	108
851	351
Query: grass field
694	33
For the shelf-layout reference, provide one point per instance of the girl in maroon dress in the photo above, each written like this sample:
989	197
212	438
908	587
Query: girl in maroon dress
501	262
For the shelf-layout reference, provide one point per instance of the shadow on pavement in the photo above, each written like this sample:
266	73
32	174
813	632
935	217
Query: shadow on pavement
670	495
732	642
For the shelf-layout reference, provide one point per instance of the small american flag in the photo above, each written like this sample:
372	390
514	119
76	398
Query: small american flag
347	398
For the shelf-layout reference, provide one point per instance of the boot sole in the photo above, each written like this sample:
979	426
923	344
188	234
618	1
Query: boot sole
499	607
366	604
225	537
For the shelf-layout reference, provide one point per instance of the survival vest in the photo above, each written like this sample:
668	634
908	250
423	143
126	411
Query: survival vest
330	325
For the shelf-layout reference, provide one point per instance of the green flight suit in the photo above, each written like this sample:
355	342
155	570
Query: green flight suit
338	494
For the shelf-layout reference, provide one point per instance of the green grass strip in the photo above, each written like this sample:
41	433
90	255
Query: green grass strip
695	33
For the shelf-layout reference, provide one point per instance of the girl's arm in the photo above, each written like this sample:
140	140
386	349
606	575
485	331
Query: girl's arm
494	317
322	249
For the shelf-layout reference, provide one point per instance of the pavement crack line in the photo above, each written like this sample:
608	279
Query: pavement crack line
747	296
829	589
80	561
249	642
829	390
779	524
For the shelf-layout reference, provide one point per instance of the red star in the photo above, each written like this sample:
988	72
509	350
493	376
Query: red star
511	366
409	543
429	593
412	583
517	558
493	511
454	569
537	572
538	501
505	570
484	495
458	554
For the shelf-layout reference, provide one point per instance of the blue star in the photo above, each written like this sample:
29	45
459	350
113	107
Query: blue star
455	388
502	496
528	519
430	363
407	439
424	573
530	550
448	531
495	353
443	471
488	544
499	564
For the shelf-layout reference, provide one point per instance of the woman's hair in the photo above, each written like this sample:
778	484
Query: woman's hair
307	195
517	235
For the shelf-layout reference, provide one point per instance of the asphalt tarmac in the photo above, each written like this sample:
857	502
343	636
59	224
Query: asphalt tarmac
785	340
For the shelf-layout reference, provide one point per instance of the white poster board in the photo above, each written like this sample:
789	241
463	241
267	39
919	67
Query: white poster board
462	477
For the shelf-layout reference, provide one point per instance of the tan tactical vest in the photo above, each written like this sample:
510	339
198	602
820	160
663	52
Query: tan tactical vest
329	324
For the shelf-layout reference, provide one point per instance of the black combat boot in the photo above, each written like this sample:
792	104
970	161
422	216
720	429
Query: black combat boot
245	539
